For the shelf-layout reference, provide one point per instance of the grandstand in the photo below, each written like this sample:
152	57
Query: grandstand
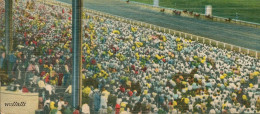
126	67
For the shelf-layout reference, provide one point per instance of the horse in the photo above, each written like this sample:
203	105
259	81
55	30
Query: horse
185	11
162	10
196	15
191	12
176	12
228	20
208	16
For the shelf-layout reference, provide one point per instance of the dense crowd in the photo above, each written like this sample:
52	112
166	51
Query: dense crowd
127	68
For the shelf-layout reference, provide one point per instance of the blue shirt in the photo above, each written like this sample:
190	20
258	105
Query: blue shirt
96	101
12	58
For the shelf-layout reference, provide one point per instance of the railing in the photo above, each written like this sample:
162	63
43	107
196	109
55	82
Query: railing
192	37
202	16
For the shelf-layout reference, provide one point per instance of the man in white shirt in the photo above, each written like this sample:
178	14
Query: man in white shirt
60	103
85	109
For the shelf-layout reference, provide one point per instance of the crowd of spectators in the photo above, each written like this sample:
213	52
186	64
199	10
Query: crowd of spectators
125	68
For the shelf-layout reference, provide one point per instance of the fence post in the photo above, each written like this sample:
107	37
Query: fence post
256	53
203	40
231	47
248	51
191	37
224	45
239	49
185	35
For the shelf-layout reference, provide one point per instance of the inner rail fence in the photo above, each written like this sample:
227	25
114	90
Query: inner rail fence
200	39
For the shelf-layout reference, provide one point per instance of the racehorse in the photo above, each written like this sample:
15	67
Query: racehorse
208	16
162	10
191	12
196	15
185	11
228	20
177	12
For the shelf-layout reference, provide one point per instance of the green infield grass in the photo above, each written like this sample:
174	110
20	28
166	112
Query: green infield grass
246	10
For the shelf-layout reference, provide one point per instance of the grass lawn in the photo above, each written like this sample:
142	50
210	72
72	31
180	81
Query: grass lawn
247	10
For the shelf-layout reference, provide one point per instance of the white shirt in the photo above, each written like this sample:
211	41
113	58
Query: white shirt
69	89
49	88
85	109
60	104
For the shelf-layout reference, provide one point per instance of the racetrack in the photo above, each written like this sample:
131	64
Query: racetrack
230	33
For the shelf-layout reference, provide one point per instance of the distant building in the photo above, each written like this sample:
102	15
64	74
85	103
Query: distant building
156	2
208	10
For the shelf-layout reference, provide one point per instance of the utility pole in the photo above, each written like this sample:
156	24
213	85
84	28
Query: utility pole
8	31
77	52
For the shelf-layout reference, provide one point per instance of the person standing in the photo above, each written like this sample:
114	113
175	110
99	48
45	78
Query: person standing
85	109
76	111
103	103
96	95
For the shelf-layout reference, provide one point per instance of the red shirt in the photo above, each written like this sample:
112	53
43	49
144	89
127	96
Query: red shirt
40	61
25	34
27	43
144	69
130	93
25	90
35	43
47	79
122	89
133	67
76	112
60	79
164	60
50	51
117	108
43	73
136	72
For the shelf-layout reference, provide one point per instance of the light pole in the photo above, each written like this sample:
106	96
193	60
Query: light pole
77	52
8	31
